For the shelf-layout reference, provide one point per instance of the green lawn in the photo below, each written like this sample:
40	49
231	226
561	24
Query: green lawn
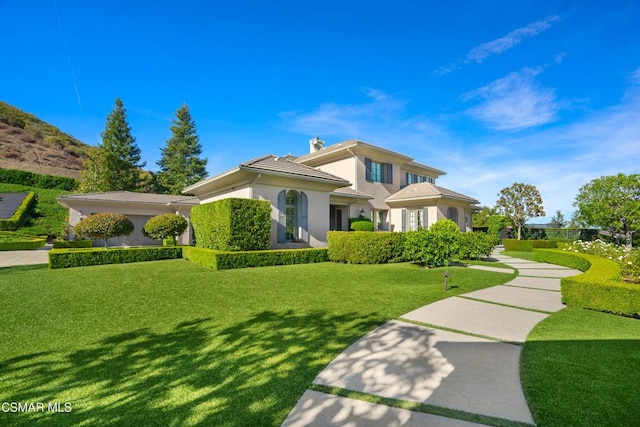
582	368
518	254
171	343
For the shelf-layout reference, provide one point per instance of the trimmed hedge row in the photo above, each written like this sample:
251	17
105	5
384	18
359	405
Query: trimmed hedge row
15	176
362	247
20	214
528	245
64	244
227	260
65	258
26	245
599	288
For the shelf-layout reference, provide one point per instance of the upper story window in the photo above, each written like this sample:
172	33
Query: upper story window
414	178
378	172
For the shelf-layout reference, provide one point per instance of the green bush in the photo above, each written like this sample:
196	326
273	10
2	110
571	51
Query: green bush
362	247
20	214
631	268
65	258
65	244
434	247
27	244
226	260
169	241
599	288
528	245
104	226
232	224
362	226
15	176
476	245
165	226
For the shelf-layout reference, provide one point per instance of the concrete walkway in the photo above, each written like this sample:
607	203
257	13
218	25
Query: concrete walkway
36	256
465	357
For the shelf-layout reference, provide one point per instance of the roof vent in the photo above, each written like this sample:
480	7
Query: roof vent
315	144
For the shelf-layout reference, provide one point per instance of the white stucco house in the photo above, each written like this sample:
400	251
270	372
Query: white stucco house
309	194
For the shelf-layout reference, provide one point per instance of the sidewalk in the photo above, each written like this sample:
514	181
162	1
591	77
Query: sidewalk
465	357
37	256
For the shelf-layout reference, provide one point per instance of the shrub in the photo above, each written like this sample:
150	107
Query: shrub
104	226
65	258
64	244
20	214
23	245
476	245
225	260
528	245
434	247
361	247
362	226
631	268
165	226
232	224
15	176
599	288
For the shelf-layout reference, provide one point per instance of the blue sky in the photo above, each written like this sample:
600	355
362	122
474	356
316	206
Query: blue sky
492	92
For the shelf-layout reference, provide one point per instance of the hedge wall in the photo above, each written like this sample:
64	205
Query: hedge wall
14	176
64	258
527	245
23	246
599	288
362	247
225	260
232	225
64	244
20	214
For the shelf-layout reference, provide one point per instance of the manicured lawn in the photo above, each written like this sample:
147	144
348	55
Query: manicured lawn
48	216
171	343
519	254
582	368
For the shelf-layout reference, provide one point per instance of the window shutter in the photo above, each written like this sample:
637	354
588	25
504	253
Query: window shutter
404	220
389	173
425	220
282	218
367	168
304	223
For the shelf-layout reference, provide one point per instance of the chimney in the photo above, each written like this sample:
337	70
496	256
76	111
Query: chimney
315	144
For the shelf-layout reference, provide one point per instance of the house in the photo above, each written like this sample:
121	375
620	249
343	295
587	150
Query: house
309	194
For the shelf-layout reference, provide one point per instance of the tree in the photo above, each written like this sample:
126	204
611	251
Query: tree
104	226
558	220
180	164
520	202
164	226
122	159
93	177
481	216
613	203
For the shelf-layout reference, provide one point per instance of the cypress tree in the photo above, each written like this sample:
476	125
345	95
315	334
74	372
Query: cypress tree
180	164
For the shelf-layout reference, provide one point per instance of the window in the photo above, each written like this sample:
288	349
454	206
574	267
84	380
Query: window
452	214
379	218
417	219
414	178
292	223
290	217
378	172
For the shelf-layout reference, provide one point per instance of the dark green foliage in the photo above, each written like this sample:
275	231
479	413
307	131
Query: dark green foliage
63	244
496	224
434	247
65	258
599	288
360	247
22	245
527	245
122	154
475	245
20	214
104	226
15	176
165	226
180	164
584	234
232	225
362	226
222	260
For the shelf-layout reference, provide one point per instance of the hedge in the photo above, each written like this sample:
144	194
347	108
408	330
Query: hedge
599	288
232	224
226	260
65	258
362	226
528	245
23	246
64	244
20	214
362	247
15	176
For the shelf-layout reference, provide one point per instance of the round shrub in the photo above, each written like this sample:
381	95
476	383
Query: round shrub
104	226
362	226
164	226
434	247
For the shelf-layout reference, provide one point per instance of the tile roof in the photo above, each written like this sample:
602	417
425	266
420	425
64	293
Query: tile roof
350	192
130	196
284	166
425	190
348	144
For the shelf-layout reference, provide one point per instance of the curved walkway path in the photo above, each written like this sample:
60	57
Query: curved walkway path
461	353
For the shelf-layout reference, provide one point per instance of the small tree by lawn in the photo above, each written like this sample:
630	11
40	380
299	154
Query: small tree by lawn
436	246
520	202
104	226
165	226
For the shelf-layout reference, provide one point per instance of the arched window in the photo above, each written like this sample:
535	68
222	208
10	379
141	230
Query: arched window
292	224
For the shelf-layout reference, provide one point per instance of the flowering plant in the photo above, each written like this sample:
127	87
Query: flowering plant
626	257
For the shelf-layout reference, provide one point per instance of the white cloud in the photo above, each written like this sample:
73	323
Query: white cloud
514	102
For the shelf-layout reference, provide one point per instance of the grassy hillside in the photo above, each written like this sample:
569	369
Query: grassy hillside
28	143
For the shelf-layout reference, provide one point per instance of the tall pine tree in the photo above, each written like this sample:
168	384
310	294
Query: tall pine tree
121	153
180	164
